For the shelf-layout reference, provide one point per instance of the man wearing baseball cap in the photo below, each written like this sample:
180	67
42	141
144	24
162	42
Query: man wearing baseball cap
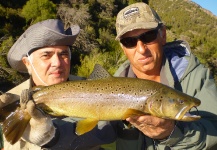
142	36
43	52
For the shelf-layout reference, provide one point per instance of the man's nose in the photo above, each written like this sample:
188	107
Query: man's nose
141	47
56	61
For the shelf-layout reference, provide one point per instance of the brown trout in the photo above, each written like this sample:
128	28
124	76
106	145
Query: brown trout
103	97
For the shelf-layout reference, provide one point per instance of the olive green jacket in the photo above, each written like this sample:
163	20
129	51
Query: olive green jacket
182	71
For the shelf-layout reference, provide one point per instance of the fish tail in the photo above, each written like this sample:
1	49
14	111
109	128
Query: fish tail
15	124
7	110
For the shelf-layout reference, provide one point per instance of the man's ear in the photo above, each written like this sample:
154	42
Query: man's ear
122	47
162	34
27	64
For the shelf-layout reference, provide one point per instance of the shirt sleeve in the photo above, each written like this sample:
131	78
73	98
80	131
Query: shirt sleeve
102	134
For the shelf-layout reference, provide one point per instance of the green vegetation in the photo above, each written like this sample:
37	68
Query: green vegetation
95	43
37	10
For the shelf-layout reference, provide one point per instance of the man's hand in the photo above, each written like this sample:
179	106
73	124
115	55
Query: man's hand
153	127
40	129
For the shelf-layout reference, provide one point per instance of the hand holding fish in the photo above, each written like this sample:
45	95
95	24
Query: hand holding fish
36	127
40	129
153	127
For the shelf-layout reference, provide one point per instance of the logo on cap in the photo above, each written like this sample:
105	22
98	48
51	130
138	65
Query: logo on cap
131	12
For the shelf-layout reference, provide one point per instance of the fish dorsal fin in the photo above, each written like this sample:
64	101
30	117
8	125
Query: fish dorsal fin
99	73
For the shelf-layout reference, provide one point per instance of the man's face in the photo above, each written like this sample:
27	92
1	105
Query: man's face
144	58
52	65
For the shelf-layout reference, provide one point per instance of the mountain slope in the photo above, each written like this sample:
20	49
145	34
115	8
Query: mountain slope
188	21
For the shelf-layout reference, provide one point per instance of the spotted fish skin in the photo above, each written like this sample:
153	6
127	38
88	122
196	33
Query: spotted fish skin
103	97
111	98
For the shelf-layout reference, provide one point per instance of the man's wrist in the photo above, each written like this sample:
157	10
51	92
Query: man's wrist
54	140
168	137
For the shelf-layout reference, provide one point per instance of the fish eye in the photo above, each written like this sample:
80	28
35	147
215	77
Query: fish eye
181	101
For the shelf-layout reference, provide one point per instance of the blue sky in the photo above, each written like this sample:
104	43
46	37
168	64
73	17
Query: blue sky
210	5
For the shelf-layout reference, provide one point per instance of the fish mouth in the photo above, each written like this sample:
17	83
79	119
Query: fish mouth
185	115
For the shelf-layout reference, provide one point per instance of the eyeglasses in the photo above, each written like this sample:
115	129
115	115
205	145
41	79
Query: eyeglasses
146	38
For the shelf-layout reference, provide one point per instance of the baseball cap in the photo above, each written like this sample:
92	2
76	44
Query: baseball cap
136	16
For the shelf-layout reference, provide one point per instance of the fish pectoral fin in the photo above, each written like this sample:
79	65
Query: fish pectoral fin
132	112
85	125
15	124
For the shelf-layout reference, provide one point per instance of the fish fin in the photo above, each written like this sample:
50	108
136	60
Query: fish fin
99	73
85	125
15	124
132	112
37	88
7	110
127	124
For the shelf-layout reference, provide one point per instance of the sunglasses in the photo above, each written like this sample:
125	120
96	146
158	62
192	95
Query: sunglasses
146	38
